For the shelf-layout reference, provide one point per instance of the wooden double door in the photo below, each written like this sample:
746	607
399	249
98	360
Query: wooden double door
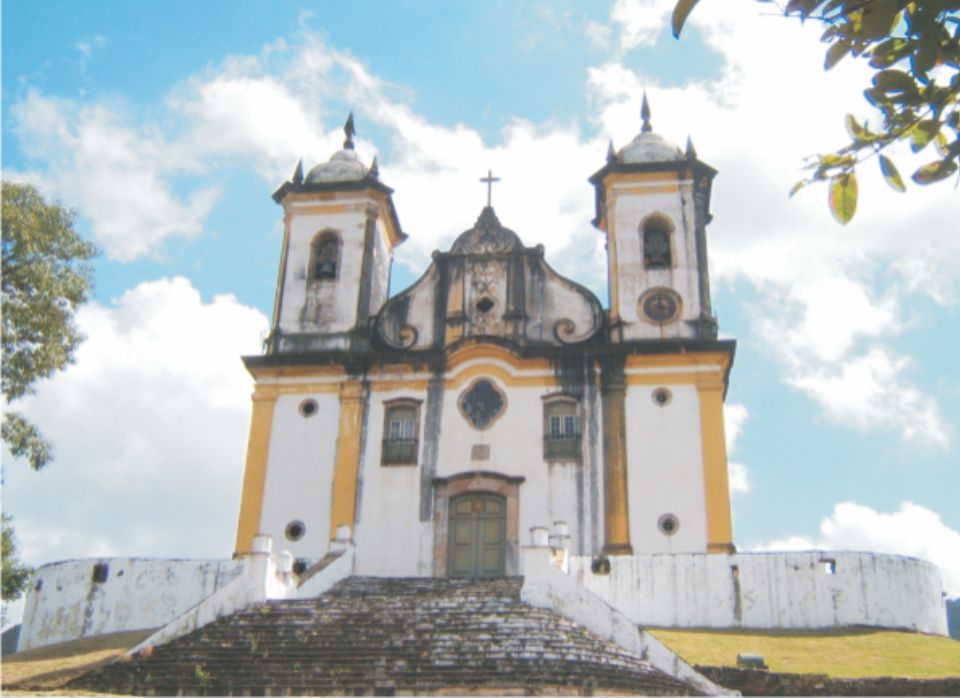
477	536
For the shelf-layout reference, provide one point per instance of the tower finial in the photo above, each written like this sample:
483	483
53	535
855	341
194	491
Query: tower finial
611	153
645	114
349	131
298	173
691	151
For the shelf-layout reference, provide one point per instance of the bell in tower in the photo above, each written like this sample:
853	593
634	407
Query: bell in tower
652	202
340	228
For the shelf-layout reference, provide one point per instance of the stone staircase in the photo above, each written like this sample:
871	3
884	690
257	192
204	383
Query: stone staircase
381	636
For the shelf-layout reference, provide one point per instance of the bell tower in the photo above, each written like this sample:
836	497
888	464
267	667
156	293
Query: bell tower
652	202
340	228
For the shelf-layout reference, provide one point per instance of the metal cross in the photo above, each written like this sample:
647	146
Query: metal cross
489	179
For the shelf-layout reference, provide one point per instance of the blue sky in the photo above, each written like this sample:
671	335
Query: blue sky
167	125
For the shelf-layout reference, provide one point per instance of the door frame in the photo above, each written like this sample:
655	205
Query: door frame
476	482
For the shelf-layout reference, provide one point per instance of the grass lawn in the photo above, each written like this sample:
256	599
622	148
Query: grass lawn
52	666
848	653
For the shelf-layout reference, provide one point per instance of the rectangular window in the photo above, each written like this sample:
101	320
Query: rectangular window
401	427
561	440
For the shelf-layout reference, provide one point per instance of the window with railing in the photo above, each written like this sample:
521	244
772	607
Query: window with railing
400	430
561	430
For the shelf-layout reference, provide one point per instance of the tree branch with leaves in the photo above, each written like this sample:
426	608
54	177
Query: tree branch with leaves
46	277
914	51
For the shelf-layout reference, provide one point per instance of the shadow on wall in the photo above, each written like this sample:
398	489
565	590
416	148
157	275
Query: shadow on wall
10	637
953	618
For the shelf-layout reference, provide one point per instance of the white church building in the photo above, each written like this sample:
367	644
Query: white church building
494	419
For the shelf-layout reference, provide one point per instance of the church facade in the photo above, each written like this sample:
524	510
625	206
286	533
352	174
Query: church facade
493	395
495	420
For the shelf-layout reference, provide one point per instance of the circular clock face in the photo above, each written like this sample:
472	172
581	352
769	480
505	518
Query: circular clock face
660	305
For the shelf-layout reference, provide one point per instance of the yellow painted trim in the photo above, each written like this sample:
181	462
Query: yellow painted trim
673	378
613	270
382	200
265	372
715	476
390	386
282	273
255	472
621	177
299	197
651	189
479	350
504	376
353	396
616	508
276	390
690	359
328	209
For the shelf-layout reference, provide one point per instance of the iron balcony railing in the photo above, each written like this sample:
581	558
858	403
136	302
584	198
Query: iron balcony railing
562	447
400	450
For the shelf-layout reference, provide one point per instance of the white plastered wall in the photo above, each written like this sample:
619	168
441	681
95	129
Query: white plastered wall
389	534
299	477
391	539
665	469
330	306
631	276
65	602
803	590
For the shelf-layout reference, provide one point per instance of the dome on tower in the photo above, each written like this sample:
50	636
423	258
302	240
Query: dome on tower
648	146
344	165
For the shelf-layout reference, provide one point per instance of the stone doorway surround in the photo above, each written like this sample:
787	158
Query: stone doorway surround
479	482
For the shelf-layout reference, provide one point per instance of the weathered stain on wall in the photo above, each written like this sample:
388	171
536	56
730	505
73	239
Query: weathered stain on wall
814	589
69	601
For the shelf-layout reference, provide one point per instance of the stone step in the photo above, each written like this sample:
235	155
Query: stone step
371	634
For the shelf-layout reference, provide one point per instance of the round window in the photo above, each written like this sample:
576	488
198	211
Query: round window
295	530
668	524
661	397
308	408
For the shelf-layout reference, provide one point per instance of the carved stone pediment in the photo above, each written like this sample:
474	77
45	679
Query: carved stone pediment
489	285
487	236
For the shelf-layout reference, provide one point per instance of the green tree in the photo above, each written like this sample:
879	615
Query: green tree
46	276
15	575
914	51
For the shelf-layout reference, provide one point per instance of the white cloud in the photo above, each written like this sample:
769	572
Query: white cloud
912	530
116	175
831	298
735	417
828	301
640	21
149	426
869	391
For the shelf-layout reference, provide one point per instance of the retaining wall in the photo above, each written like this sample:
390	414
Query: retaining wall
80	598
808	590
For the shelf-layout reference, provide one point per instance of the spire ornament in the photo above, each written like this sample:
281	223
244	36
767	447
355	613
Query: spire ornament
611	153
349	131
298	173
374	171
691	151
645	114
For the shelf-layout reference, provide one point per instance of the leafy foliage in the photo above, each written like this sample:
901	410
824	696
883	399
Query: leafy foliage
46	275
15	575
914	50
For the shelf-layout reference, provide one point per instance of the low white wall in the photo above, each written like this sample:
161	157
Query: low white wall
65	603
546	586
816	589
